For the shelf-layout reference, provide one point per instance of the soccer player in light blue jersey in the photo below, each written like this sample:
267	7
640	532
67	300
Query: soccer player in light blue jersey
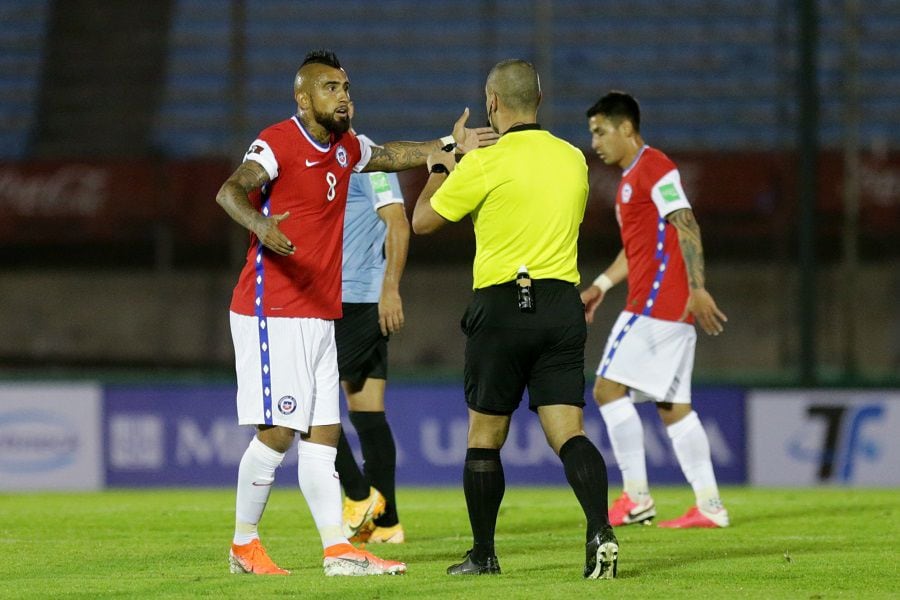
376	239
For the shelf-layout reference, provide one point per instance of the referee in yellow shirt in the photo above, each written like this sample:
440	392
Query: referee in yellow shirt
525	325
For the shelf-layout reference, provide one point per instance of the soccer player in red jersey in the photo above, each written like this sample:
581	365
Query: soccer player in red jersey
290	193
650	352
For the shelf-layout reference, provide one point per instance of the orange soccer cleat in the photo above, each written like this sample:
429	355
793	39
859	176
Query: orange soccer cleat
252	558
358	516
387	535
344	559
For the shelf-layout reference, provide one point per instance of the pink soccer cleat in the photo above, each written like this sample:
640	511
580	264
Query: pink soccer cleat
625	511
698	518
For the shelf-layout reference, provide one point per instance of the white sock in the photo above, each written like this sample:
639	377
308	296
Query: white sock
256	474
321	487
626	433
692	450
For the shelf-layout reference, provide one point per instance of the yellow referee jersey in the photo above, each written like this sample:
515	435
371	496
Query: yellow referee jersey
526	195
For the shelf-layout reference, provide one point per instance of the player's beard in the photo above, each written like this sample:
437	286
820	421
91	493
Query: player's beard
328	121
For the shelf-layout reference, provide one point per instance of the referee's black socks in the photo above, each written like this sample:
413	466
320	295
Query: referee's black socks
484	485
379	459
586	472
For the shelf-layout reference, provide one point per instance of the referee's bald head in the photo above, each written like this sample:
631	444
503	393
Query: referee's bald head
517	85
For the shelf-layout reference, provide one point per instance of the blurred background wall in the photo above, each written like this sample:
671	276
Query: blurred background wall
120	120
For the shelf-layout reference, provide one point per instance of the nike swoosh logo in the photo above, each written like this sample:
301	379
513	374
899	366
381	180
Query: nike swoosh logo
261	484
360	563
310	163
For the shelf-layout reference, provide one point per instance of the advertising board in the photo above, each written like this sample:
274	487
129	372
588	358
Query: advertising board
50	436
824	437
188	435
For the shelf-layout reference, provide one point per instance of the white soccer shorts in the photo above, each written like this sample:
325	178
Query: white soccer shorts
287	371
654	358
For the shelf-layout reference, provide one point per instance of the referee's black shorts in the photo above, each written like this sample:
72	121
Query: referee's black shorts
361	347
508	351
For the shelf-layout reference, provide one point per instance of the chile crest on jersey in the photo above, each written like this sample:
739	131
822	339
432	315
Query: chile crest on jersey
340	154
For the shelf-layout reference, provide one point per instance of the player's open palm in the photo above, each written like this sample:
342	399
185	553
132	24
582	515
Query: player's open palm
272	237
701	304
469	139
591	297
485	136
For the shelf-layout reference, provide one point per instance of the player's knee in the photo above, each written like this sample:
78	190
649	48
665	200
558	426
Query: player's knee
597	391
557	439
561	423
484	440
671	413
486	436
276	437
606	391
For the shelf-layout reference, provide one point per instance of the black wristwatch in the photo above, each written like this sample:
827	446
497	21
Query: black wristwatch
440	168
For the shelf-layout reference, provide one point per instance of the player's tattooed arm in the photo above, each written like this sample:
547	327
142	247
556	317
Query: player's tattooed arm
397	156
700	303
234	197
691	245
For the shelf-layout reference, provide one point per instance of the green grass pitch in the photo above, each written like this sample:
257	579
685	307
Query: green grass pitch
784	543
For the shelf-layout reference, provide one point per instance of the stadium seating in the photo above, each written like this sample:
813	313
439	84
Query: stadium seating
711	74
22	29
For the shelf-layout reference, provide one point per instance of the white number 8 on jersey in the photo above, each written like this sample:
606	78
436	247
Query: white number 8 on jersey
331	179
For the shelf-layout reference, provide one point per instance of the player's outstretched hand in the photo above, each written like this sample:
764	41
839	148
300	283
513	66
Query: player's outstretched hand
272	237
486	137
469	139
591	297
701	304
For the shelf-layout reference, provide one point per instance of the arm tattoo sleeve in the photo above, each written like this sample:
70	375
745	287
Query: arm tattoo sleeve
397	156
251	176
234	194
691	246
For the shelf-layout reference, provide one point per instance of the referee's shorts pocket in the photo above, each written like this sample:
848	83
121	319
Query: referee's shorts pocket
464	322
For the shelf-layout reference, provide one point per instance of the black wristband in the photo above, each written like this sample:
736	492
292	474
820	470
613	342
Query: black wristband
439	168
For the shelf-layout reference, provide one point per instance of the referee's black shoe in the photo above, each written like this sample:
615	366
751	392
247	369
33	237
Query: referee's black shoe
601	555
491	566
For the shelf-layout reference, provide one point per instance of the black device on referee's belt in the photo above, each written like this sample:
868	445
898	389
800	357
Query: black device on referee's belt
525	290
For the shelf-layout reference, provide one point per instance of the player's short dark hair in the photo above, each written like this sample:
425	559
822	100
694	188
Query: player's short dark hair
618	106
322	57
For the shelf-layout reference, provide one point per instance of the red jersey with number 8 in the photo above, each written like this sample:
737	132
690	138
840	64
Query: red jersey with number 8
309	180
657	281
